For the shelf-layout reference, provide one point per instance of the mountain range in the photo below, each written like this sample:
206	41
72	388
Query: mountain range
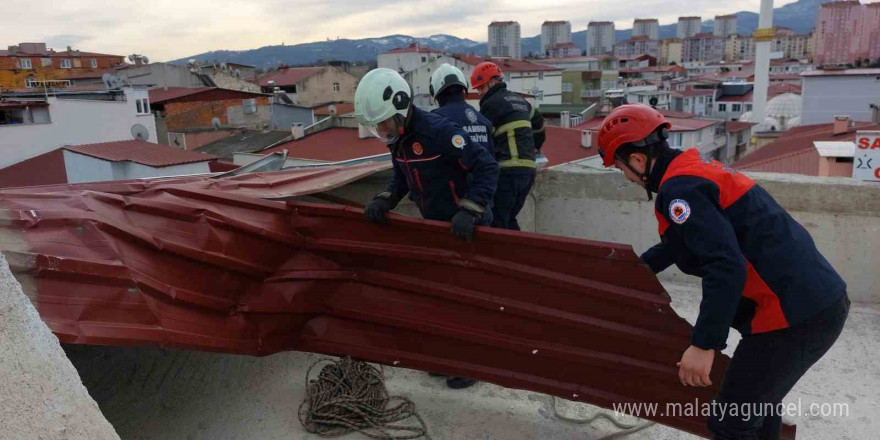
799	16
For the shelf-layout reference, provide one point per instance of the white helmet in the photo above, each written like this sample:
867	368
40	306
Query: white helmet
445	76
382	95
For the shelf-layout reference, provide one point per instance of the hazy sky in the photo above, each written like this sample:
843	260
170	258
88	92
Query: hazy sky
171	29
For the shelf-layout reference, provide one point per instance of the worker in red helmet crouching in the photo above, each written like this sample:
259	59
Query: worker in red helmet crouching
761	272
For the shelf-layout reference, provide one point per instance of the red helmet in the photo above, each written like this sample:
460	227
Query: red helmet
630	123
483	73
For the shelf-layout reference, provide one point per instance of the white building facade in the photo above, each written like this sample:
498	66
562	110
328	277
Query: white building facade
600	38
689	26
504	40
646	27
71	119
553	33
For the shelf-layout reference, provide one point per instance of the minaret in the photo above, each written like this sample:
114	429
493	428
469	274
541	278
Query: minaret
763	36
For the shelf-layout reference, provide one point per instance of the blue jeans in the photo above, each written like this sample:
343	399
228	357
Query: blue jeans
513	188
765	367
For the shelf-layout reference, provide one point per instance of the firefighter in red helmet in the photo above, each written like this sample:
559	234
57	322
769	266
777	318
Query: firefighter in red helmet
518	136
761	272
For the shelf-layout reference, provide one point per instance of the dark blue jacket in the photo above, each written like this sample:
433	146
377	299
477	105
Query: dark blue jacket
518	129
473	122
433	161
760	269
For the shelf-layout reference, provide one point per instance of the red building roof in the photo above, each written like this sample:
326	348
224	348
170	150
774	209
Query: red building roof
333	145
737	126
142	152
288	76
197	94
508	64
414	48
563	145
678	124
160	95
799	140
341	108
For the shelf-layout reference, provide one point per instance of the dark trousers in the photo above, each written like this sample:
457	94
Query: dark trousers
765	367
513	188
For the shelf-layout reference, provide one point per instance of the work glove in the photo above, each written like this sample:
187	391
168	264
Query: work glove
466	218
376	209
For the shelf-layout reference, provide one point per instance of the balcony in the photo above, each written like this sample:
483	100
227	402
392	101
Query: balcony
593	93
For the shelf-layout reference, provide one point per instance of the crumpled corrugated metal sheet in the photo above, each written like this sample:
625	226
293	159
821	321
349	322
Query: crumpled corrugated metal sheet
210	266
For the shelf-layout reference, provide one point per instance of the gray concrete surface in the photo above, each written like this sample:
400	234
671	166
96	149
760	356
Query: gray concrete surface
41	396
157	394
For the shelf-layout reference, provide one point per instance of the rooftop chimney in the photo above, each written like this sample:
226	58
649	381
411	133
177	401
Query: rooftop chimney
841	124
297	130
565	119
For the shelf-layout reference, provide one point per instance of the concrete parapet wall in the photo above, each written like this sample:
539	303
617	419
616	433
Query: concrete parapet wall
41	395
842	215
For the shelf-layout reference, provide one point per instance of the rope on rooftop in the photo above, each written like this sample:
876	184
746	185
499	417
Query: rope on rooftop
349	396
625	428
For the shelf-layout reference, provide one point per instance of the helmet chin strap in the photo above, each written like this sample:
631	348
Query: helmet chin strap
643	176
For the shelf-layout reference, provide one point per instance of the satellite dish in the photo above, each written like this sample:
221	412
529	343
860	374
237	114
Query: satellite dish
237	73
131	58
145	60
332	109
223	66
112	82
653	101
140	132
215	123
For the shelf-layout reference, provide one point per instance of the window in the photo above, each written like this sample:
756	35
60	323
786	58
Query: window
424	60
65	63
93	63
722	107
143	106
566	87
699	137
540	75
748	107
336	87
26	63
249	106
30	83
46	62
737	108
699	100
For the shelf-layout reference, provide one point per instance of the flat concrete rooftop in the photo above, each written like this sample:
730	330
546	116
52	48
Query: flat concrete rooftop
157	394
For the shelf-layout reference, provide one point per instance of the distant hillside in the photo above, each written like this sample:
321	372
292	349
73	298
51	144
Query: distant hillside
799	16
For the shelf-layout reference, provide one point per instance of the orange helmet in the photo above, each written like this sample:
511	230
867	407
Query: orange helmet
630	124
483	73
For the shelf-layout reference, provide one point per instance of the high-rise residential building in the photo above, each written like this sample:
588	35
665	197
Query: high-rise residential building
689	26
636	46
847	32
704	47
787	44
725	25
553	33
646	27
600	37
670	51
504	39
738	48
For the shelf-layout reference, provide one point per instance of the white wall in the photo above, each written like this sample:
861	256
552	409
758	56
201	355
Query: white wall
75	122
82	168
550	85
408	61
827	96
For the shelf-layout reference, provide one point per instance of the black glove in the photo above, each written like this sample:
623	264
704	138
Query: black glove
465	219
376	209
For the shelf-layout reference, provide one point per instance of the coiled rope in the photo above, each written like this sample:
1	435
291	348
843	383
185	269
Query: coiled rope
349	396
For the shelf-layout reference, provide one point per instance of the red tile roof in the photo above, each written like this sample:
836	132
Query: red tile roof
563	145
414	48
773	91
508	64
798	140
842	72
341	108
737	126
142	152
696	92
678	124
675	114
333	145
288	76
160	95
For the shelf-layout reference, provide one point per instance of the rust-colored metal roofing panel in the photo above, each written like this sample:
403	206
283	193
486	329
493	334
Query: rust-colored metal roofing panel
203	265
142	152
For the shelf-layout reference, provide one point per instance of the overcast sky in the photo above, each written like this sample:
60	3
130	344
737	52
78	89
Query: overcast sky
171	29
